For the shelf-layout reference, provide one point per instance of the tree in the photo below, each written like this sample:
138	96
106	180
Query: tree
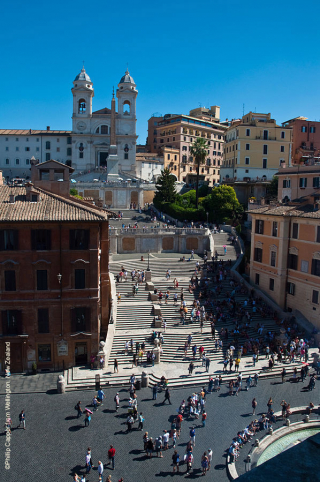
273	188
165	188
222	203
199	150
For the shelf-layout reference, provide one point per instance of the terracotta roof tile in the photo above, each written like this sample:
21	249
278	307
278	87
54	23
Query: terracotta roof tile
50	207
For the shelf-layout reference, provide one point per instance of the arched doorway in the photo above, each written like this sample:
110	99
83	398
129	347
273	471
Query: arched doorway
103	156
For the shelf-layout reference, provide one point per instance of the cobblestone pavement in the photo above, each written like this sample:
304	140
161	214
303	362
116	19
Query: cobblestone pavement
54	443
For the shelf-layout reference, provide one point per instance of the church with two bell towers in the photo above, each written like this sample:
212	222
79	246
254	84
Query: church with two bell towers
104	139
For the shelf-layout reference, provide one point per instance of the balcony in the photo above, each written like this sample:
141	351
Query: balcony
270	138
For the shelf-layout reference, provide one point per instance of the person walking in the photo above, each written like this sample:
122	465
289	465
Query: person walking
150	447
204	463
155	392
117	401
210	455
87	419
193	436
204	418
100	470
167	396
88	462
207	364
79	409
141	420
189	460
22	419
158	446
254	404
115	366
111	455
175	461
191	367
283	375
130	422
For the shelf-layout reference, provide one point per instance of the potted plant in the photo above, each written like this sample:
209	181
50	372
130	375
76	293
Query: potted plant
34	368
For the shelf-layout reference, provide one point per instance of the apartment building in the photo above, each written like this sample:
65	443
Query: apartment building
305	139
298	180
54	281
180	131
285	255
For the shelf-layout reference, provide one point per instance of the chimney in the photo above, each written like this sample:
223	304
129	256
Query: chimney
48	128
11	198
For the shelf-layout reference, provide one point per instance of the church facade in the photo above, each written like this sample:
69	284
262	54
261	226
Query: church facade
104	139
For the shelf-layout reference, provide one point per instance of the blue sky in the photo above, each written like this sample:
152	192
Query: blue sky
181	53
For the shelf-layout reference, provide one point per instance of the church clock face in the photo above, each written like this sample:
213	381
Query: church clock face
81	126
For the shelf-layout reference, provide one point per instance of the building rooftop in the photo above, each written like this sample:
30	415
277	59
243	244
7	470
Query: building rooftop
83	76
105	110
305	211
49	207
32	132
126	78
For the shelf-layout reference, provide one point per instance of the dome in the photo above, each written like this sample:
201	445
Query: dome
127	79
83	76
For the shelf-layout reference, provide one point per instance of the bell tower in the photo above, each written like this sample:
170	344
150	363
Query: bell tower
83	93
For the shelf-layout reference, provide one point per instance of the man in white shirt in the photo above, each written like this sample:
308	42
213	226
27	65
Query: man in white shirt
165	440
100	470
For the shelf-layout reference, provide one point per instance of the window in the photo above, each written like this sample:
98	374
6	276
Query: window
315	297
41	239
303	182
79	238
38	139
104	130
318	234
247	147
44	353
264	163
273	258
168	156
258	255
286	183
291	287
7	148
126	155
265	149
283	135
7	161
295	228
9	239
82	106
80	319
281	148
259	226
48	144
257	279
58	149
69	151
37	149
17	148
304	266
265	135
248	132
315	267
316	182
275	228
79	279
293	261
303	129
10	280
247	160
271	284
11	322
17	139
69	140
43	320
312	129
48	156
42	279
27	148
27	162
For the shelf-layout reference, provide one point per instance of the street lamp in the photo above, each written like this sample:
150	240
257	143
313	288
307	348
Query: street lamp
207	218
148	268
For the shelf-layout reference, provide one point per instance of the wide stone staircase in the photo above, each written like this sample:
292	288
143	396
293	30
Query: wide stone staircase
135	322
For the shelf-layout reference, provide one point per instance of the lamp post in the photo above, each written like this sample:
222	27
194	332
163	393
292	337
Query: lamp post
148	268
207	218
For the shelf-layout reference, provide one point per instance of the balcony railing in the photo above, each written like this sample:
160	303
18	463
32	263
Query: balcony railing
270	138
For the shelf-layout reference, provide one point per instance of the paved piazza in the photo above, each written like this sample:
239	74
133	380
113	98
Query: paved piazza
54	443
